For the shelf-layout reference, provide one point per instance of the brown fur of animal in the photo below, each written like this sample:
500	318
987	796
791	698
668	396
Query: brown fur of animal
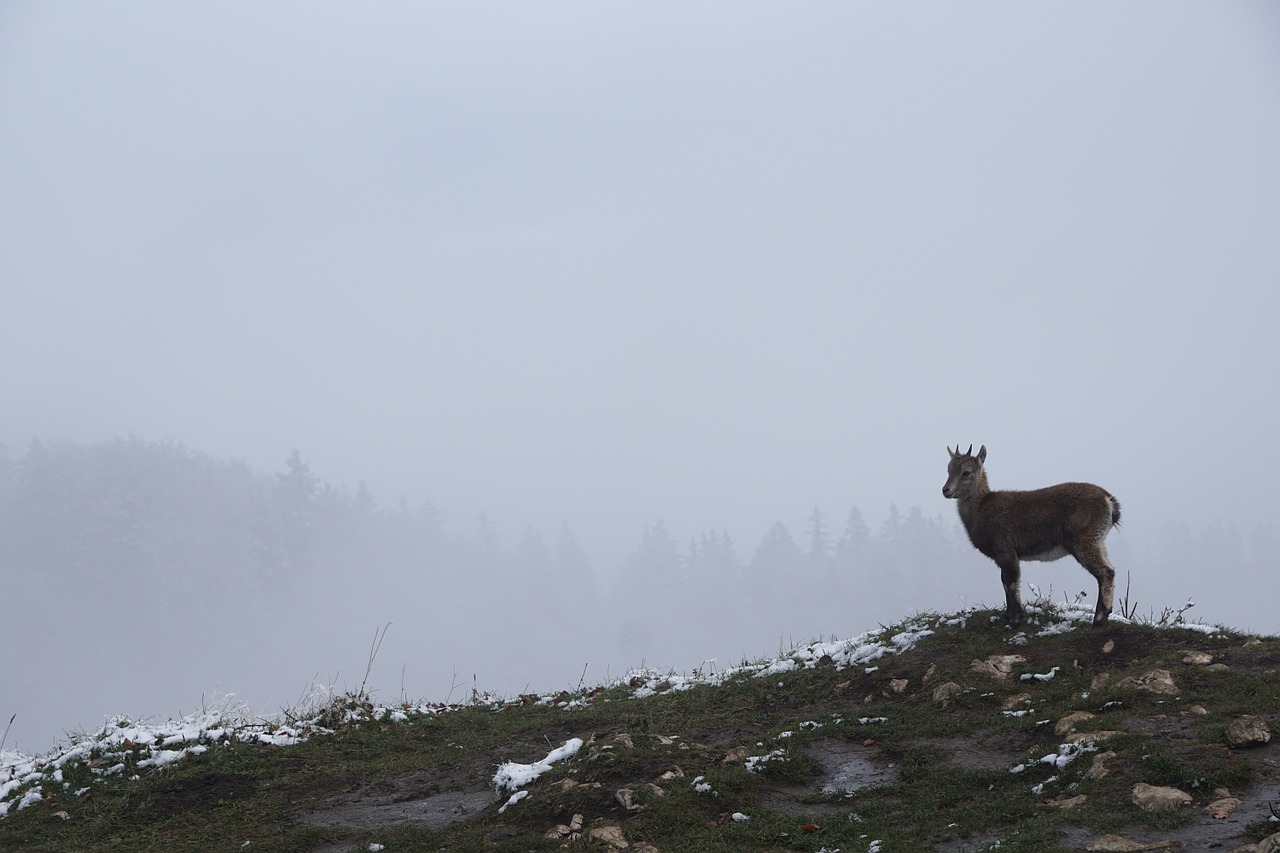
1042	524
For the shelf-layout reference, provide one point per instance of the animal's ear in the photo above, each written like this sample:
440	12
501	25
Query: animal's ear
952	452
982	454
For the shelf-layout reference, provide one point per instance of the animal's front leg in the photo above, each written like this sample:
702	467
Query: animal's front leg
1011	577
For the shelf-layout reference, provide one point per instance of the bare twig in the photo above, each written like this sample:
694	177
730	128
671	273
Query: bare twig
378	637
453	686
1128	609
6	731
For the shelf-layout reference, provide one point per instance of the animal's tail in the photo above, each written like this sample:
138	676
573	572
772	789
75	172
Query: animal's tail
1115	511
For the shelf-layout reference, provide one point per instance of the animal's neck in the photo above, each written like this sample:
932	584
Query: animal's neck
969	503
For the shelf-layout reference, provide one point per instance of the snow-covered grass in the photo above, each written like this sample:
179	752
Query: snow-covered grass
856	651
127	746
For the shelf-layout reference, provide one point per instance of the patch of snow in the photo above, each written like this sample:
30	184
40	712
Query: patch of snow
739	816
1045	676
1067	753
753	764
1039	789
512	800
511	775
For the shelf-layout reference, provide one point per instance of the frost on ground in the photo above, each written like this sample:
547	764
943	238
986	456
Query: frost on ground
124	746
842	654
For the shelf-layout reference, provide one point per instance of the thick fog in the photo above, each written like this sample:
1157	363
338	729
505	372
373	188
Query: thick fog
581	336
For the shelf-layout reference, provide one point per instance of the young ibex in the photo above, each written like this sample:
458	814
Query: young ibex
1044	524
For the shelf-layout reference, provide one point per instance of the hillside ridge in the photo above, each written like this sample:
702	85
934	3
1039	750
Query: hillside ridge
945	732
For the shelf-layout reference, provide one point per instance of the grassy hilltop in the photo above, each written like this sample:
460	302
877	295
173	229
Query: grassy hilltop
947	733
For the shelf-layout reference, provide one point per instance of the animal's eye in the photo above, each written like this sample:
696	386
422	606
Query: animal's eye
965	473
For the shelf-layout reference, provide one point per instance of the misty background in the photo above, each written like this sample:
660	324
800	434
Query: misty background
575	336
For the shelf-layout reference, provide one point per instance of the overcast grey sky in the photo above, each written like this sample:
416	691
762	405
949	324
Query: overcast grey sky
606	263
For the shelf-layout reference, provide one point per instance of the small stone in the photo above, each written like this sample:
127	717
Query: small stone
673	773
929	673
1248	730
1100	681
1220	809
627	799
736	755
1089	737
1158	681
611	835
1067	804
943	692
1097	770
997	666
1197	658
1014	701
1198	710
1108	647
1270	844
898	685
1068	723
1117	844
624	740
1157	798
1217	667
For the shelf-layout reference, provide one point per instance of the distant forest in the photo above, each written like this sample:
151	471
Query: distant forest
140	525
159	529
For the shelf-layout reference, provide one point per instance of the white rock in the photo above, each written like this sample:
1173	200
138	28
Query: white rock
1248	730
1156	798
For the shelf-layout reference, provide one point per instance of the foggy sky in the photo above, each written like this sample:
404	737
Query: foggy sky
606	264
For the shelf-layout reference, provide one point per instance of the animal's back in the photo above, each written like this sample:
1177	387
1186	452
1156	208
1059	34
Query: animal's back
1039	523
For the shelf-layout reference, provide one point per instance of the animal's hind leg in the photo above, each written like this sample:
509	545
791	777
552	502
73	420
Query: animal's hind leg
1095	561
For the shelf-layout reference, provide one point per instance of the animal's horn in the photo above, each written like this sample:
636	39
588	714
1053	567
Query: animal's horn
968	452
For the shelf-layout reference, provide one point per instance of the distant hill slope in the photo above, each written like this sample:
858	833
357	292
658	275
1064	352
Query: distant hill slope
944	732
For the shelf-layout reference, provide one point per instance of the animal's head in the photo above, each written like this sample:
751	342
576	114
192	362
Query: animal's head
964	472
